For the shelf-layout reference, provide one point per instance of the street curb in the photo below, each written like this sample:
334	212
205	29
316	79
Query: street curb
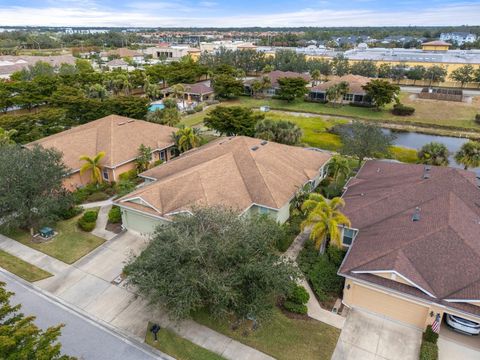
123	335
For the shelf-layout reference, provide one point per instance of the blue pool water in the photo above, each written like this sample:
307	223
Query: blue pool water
154	107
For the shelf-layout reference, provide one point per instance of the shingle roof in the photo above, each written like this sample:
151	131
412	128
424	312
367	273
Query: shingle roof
117	62
120	138
235	172
277	74
200	88
439	253
437	43
355	83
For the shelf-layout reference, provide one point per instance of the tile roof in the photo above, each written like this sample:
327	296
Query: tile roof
277	74
118	136
440	252
437	43
235	172
355	83
117	62
200	88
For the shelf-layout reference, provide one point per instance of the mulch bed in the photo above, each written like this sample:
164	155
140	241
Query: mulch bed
115	228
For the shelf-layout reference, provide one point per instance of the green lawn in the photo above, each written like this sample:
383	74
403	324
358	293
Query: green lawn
282	337
433	113
22	268
404	154
69	245
178	347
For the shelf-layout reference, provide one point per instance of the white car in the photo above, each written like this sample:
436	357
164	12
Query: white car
463	325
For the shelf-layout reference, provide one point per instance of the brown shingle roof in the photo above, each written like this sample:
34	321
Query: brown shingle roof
439	253
235	172
355	83
277	74
118	136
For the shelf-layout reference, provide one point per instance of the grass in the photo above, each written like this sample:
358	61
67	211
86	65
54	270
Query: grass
22	268
314	129
282	337
429	113
404	154
69	245
178	347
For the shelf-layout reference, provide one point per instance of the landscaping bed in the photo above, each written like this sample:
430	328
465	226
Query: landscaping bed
178	347
69	245
22	268
280	336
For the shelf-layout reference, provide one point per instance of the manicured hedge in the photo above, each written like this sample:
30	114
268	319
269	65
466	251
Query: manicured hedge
115	215
88	221
296	300
428	351
402	110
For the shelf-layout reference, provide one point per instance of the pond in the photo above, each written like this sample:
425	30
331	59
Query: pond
417	140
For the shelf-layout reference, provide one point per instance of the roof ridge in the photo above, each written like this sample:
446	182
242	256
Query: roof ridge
401	252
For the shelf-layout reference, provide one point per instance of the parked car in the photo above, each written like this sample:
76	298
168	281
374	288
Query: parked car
463	325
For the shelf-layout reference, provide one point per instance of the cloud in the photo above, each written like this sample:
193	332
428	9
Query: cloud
175	14
209	4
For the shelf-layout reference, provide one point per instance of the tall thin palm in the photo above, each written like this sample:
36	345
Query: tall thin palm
325	219
179	89
469	155
93	164
338	167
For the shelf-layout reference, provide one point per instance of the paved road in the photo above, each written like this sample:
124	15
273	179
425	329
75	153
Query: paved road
417	89
81	337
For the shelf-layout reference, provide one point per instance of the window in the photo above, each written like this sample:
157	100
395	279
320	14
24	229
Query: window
348	236
105	174
163	155
262	210
348	97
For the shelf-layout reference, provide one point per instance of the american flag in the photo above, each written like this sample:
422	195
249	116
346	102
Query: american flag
436	324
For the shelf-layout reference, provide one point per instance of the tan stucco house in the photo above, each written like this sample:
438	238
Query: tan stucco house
414	245
119	137
247	174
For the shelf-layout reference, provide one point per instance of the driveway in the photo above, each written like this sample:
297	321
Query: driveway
453	345
371	337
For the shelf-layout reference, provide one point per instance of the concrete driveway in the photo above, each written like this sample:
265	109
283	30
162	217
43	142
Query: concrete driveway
453	345
370	337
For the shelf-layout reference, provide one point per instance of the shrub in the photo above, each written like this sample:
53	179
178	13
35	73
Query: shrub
71	212
428	351
115	215
190	112
90	215
97	196
123	187
80	195
157	162
402	110
86	225
430	336
298	295
128	175
362	104
295	308
477	119
321	272
198	108
335	255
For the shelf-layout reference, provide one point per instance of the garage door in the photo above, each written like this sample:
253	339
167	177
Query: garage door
389	306
142	224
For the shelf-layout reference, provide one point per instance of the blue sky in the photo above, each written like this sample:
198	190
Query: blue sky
230	13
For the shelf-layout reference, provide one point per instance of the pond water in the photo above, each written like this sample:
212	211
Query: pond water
416	141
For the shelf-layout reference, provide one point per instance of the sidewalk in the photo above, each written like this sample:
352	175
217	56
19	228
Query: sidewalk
315	311
102	221
97	204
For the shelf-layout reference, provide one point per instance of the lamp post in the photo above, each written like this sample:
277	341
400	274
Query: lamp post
155	329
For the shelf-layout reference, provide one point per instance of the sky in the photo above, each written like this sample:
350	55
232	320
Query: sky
238	13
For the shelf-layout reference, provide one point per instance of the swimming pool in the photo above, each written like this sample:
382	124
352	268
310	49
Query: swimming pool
154	107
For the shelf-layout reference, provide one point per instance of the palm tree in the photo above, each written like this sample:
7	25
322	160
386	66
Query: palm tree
93	164
338	166
337	91
179	89
315	74
434	153
187	138
325	219
469	155
6	136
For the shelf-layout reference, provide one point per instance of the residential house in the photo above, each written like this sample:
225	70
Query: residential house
247	174
436	46
274	76
122	53
356	93
119	137
169	52
414	246
459	37
197	92
10	64
117	64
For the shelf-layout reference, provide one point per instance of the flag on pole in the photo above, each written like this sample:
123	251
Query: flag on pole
436	324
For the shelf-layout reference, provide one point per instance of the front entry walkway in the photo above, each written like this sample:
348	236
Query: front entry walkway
366	336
